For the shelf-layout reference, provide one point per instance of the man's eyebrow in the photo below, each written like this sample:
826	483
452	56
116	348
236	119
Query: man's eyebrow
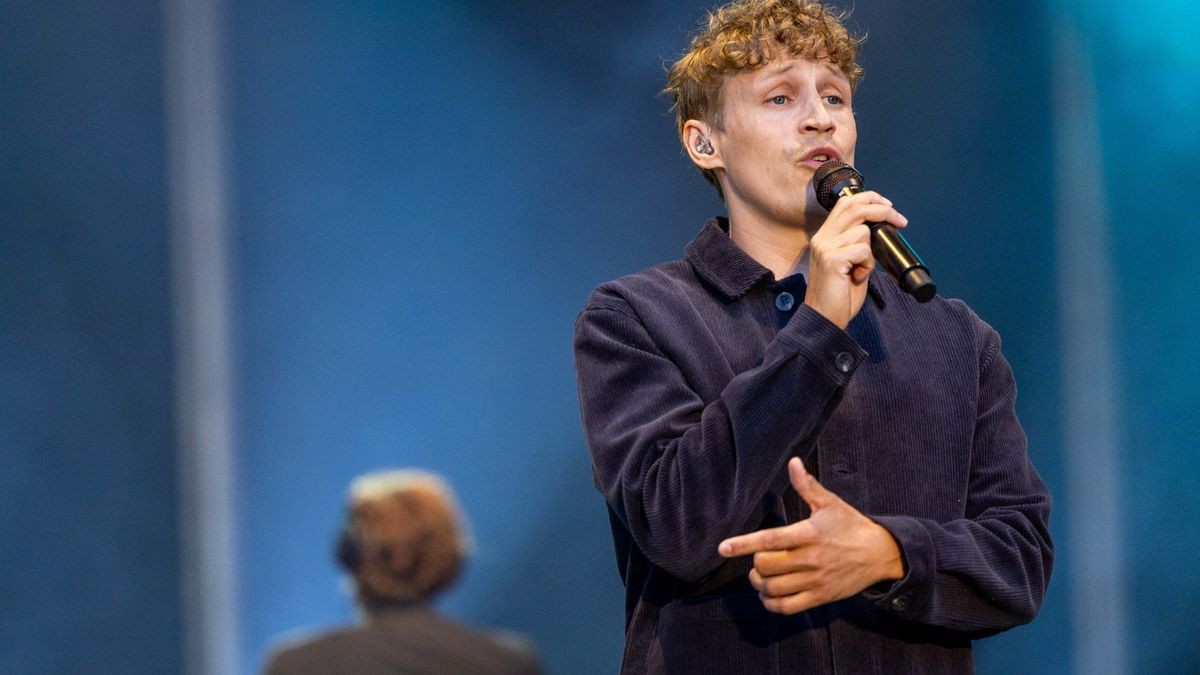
836	71
770	72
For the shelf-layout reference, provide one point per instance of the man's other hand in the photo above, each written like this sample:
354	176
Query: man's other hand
833	554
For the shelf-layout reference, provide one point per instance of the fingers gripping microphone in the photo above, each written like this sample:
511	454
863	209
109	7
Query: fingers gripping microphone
835	179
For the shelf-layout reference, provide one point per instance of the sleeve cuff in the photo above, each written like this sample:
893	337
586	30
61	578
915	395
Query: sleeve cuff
822	343
906	596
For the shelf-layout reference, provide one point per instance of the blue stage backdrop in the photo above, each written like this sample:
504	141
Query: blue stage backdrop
423	194
89	568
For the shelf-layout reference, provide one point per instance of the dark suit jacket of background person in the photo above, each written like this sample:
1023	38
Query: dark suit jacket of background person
413	639
699	378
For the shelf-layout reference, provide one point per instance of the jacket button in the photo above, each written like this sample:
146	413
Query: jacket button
785	301
844	361
900	603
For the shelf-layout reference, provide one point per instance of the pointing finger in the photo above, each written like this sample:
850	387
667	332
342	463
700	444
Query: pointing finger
772	539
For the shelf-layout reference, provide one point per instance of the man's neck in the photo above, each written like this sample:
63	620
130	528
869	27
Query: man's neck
783	250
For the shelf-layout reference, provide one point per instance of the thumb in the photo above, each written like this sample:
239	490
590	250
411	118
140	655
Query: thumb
812	492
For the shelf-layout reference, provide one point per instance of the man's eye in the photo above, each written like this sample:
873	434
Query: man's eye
833	99
779	100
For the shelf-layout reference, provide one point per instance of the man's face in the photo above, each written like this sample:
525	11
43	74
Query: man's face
781	122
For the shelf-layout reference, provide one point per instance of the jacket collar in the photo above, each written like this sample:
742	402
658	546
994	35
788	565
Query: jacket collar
721	263
730	270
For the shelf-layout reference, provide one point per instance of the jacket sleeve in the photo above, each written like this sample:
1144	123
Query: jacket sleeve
682	474
988	571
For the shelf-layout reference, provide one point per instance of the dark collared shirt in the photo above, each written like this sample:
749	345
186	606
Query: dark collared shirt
406	638
699	378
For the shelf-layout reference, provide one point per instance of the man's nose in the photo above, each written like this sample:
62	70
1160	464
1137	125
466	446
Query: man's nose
816	116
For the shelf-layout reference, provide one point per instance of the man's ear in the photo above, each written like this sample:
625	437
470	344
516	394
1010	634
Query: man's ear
701	147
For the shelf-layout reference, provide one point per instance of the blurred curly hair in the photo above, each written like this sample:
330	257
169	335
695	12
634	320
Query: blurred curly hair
744	35
408	537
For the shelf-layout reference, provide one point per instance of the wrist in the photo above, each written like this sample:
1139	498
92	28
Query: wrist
890	559
833	317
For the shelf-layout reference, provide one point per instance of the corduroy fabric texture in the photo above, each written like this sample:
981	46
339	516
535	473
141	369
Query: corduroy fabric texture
698	381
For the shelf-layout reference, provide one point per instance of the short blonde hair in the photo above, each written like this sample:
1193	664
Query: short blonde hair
404	537
744	35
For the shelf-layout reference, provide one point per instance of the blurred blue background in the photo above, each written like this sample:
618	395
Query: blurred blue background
420	197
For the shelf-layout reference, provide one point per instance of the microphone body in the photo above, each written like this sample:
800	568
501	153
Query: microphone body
835	179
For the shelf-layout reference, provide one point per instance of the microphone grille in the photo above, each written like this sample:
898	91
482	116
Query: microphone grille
828	176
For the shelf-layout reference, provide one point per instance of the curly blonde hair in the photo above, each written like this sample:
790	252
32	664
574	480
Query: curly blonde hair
744	35
407	536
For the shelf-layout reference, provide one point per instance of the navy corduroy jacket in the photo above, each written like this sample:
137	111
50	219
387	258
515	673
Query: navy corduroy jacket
699	378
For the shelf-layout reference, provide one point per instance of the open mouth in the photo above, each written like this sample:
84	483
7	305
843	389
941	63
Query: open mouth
818	156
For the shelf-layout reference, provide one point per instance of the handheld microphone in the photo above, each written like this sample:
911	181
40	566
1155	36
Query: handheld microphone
835	179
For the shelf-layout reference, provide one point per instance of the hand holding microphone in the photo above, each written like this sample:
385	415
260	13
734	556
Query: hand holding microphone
840	259
835	179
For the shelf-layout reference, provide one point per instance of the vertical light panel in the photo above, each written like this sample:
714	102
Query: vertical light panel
197	200
1090	406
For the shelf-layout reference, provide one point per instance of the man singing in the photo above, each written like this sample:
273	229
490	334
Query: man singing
806	470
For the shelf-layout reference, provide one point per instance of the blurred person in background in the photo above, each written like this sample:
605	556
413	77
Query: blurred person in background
403	543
